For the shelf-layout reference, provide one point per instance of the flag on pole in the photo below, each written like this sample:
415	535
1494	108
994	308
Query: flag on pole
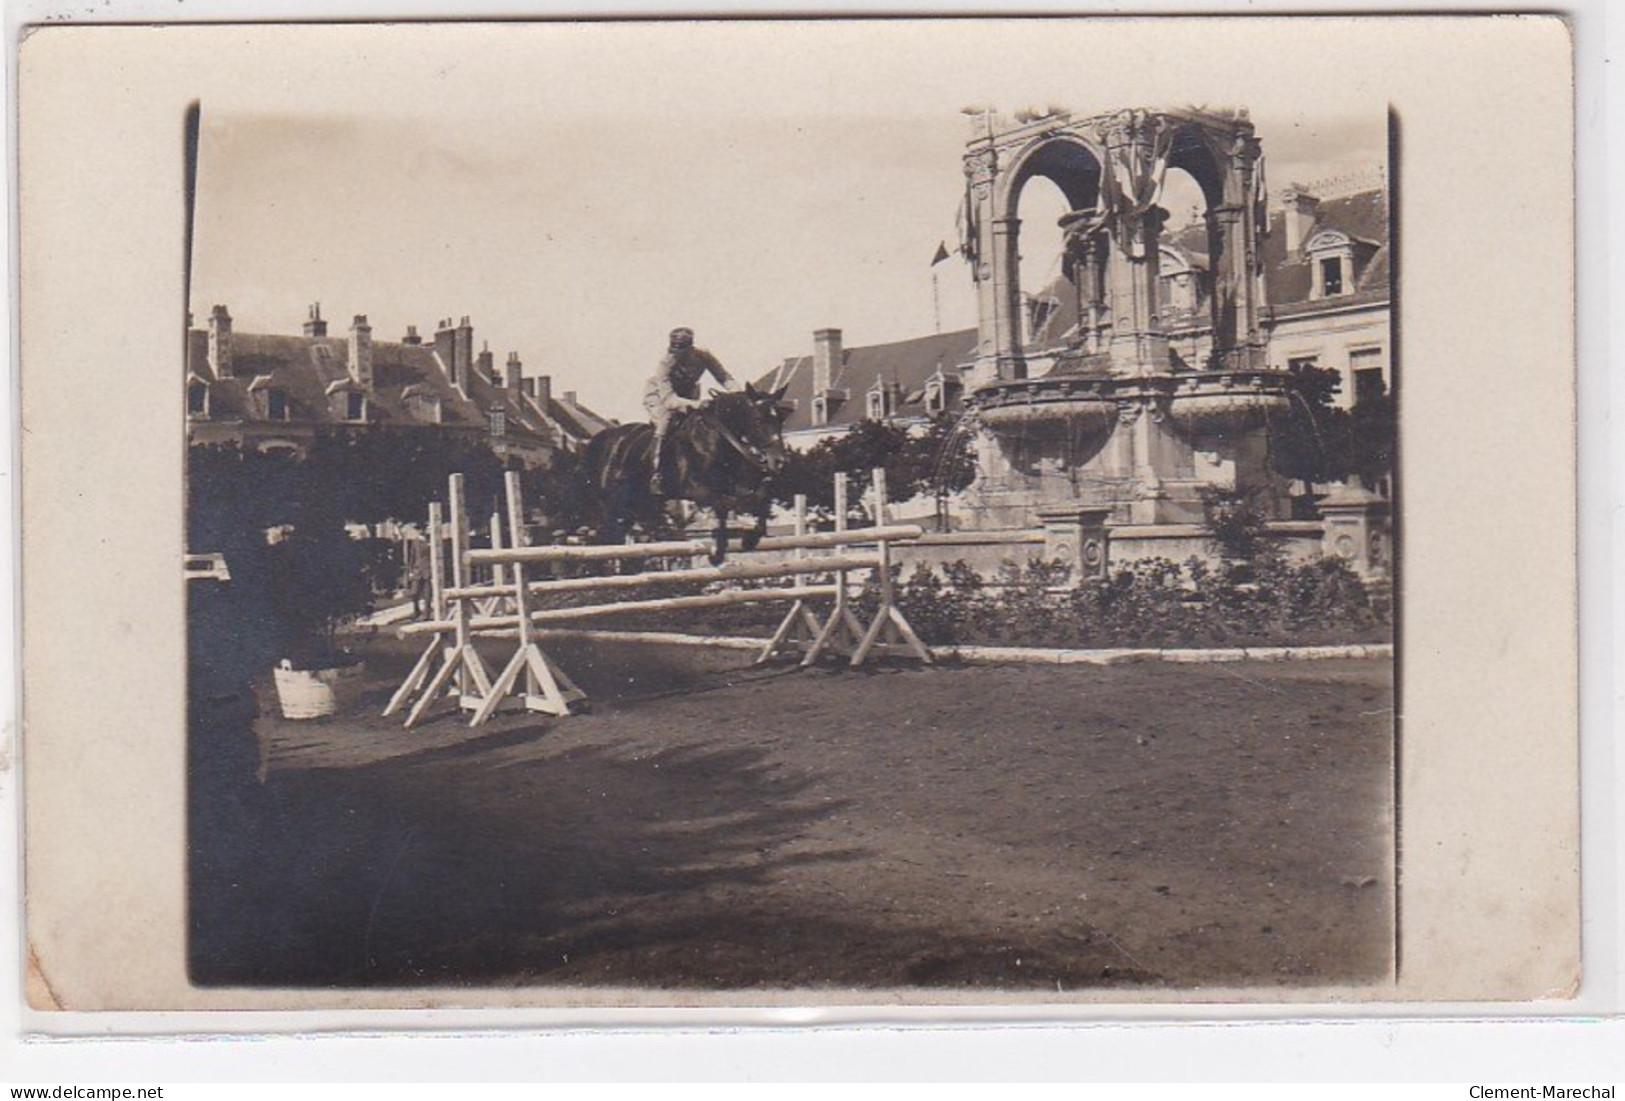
942	253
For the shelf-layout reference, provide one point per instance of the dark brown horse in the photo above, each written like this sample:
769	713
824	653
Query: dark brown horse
721	457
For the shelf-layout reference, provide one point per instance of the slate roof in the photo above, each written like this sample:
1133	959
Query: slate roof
1363	216
305	368
906	365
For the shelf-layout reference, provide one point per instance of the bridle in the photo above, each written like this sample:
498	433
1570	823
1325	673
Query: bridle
749	451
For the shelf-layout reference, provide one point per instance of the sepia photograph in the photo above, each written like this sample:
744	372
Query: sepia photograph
1012	515
826	544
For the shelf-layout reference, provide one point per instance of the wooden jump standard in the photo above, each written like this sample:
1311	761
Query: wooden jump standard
502	608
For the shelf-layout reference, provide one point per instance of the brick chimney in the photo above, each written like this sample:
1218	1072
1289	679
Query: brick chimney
827	358
1301	209
412	339
454	346
220	342
543	388
360	351
463	353
569	397
315	327
513	372
485	364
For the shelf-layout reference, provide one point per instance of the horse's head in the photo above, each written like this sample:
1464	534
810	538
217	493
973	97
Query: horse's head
755	419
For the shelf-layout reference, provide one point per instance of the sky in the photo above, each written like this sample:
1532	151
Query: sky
578	191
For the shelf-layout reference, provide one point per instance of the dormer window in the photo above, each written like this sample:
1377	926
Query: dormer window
1331	258
422	403
1331	276
877	405
820	410
197	400
276	404
347	402
499	421
934	402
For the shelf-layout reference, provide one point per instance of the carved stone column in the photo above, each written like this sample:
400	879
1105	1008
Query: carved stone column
981	169
1235	245
1224	240
1007	299
1138	346
1086	258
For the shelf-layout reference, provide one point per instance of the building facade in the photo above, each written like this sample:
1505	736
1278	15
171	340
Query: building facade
275	392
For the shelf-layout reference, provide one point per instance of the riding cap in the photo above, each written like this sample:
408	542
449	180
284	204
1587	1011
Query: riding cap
682	338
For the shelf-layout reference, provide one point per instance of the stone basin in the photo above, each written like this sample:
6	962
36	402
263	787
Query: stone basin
1206	403
1062	405
1227	403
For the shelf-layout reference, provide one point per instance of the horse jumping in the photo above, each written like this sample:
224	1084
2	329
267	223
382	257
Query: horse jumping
721	459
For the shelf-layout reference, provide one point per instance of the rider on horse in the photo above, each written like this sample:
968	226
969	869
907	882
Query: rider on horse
675	388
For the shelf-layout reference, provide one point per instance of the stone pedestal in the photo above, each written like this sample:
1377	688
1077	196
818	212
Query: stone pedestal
1358	531
1076	537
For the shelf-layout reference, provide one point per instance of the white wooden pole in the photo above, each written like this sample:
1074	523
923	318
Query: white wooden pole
497	574
659	604
728	571
817	540
459	571
879	476
437	563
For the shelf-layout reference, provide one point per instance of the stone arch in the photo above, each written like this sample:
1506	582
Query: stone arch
1065	159
1109	170
1193	150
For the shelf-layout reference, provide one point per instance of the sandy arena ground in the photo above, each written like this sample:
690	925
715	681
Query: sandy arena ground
714	826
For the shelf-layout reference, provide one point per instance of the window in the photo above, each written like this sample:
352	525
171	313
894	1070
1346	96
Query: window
820	410
355	406
877	405
933	397
1366	367
424	407
1368	385
276	405
1302	363
499	422
197	400
1331	276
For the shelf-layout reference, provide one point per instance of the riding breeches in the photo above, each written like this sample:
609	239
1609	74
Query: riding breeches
661	408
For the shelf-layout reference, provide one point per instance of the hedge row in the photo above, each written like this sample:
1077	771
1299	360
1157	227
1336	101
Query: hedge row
1154	603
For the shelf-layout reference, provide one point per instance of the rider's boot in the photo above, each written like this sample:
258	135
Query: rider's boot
657	481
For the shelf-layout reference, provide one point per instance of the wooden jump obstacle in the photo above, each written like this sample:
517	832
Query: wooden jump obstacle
460	609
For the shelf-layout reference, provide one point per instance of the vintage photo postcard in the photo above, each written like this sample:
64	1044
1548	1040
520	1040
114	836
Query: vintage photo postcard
896	512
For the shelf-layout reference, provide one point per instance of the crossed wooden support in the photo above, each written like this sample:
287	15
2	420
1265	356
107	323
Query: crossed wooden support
461	610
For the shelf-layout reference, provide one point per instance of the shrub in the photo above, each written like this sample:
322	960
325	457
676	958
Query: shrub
1151	603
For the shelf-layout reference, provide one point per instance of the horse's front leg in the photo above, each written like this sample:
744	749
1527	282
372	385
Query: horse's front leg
720	535
753	537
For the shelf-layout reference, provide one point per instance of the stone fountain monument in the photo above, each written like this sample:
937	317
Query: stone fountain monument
1118	429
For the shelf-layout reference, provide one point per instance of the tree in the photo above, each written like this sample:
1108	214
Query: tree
1318	441
392	474
937	460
